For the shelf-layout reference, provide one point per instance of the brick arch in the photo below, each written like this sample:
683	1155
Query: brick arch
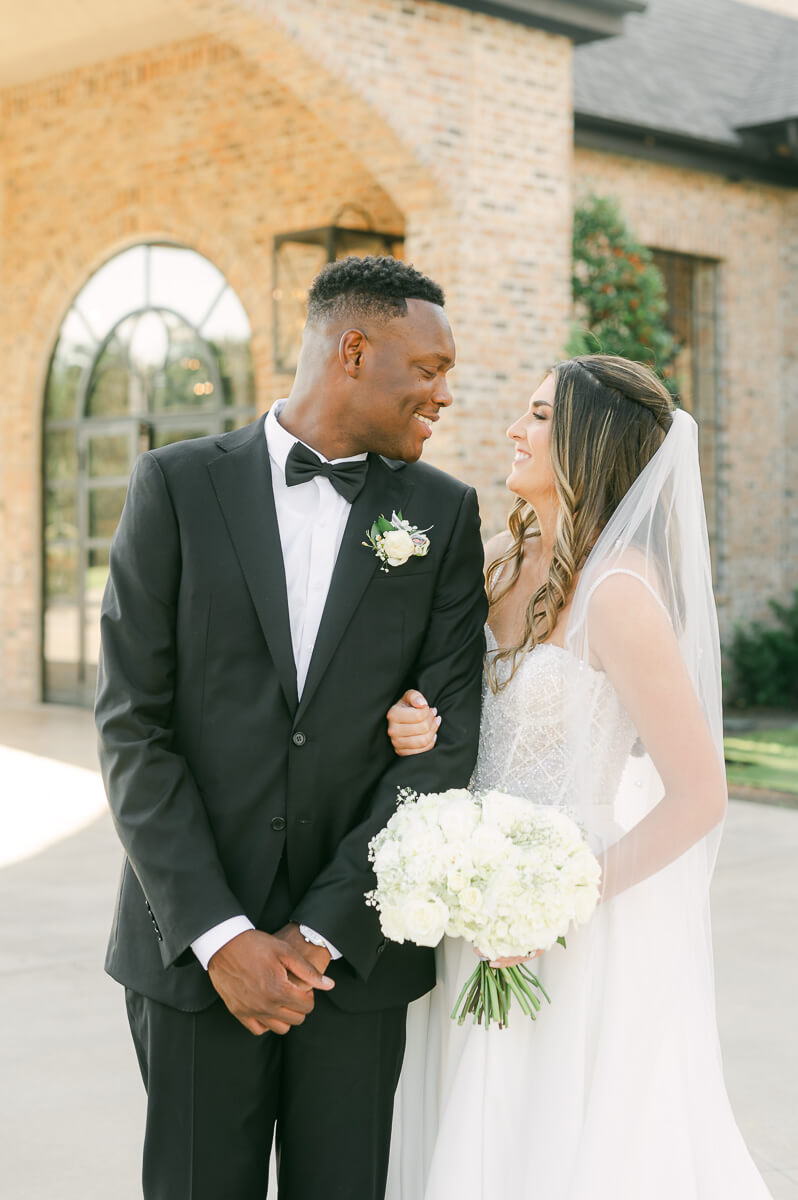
298	46
57	289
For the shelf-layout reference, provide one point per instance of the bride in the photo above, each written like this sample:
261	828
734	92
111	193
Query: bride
602	694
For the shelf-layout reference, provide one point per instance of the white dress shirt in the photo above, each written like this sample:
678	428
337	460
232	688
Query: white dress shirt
311	518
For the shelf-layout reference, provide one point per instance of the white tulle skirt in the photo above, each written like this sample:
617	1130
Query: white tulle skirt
596	1100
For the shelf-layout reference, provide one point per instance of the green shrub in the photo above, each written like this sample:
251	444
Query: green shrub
618	292
763	661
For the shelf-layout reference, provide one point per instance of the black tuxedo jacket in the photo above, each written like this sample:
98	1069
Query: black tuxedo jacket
212	766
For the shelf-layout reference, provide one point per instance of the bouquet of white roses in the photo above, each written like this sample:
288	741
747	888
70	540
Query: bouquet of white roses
507	875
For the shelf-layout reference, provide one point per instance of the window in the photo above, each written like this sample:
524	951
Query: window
155	348
691	291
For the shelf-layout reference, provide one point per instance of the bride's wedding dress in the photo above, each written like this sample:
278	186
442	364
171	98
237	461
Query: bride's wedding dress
616	1091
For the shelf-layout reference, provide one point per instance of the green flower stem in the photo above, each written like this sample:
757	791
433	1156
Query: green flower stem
535	982
460	998
520	993
495	998
488	994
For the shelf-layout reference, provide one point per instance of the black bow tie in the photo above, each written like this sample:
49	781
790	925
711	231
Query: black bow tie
347	478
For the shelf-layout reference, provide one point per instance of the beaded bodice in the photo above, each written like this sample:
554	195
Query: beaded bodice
523	748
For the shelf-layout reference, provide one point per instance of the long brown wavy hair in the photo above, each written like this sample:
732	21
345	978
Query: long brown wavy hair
609	418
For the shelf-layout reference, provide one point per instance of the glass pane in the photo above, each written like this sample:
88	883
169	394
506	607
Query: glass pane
165	437
705	276
296	265
60	454
72	356
61	651
91	633
184	281
60	514
234	362
61	573
228	332
188	380
94	585
149	342
228	322
108	392
105	509
116	289
109	454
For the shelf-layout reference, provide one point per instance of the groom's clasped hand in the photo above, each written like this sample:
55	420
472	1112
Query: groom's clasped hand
267	981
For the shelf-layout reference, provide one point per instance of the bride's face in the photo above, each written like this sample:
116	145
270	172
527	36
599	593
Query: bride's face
531	475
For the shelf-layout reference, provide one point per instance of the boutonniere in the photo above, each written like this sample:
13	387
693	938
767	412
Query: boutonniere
396	541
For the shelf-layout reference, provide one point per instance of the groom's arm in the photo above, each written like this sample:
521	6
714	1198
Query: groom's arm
448	671
157	809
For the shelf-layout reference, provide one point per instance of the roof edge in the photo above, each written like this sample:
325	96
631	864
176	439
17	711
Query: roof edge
735	162
580	20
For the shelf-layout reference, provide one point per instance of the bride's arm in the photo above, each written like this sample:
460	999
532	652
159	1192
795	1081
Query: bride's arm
632	638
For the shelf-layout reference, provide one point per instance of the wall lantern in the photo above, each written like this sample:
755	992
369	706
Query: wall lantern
298	258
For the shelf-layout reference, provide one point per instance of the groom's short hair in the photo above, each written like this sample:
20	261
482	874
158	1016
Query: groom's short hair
368	287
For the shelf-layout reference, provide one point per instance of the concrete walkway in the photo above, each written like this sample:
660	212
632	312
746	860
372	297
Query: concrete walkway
71	1104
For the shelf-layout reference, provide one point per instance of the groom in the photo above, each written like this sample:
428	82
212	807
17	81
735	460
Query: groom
251	647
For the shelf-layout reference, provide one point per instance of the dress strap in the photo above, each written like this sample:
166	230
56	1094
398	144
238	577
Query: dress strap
634	575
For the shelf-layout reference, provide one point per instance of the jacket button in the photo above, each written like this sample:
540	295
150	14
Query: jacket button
278	824
299	739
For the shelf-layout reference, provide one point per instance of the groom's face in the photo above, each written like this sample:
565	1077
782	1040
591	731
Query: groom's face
401	386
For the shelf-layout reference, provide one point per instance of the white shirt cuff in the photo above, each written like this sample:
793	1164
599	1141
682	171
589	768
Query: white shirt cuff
208	943
318	939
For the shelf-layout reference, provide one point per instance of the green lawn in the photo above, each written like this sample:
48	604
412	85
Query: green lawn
766	758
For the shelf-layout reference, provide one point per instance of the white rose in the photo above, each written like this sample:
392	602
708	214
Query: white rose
458	817
488	846
470	899
387	857
398	547
456	879
454	794
392	923
504	811
426	920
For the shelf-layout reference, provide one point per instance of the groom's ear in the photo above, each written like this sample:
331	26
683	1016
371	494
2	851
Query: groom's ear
350	351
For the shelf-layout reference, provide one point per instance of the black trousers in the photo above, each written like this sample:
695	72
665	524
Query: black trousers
216	1094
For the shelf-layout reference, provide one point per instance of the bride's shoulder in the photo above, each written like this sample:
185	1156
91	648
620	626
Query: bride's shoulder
496	546
624	604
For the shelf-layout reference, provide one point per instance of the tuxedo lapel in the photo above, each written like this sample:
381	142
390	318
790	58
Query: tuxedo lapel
242	481
385	491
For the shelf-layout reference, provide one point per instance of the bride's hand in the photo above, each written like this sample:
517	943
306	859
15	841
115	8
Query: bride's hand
412	725
509	962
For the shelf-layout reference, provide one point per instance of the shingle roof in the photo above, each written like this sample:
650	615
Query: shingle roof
696	68
774	95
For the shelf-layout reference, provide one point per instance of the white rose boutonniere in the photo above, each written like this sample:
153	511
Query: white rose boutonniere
396	541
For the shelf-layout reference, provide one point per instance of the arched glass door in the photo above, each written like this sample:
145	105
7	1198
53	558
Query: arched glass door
155	348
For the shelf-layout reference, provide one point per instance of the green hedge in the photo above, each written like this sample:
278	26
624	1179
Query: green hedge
763	661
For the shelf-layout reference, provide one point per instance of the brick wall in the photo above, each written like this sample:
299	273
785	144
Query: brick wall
752	231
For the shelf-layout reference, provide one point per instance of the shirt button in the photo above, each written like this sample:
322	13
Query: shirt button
299	739
278	824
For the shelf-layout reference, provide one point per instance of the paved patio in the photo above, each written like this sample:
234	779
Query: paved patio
71	1104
